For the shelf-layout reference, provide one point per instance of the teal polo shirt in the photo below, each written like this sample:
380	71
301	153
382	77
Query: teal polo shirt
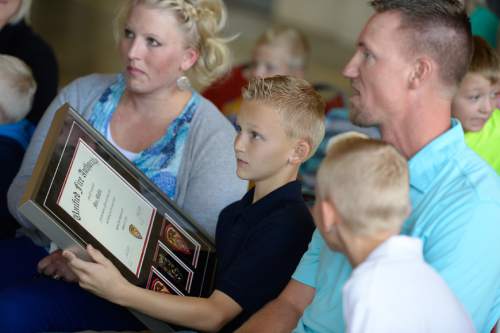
455	197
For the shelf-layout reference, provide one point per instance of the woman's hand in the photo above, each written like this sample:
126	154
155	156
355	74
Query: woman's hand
56	266
100	277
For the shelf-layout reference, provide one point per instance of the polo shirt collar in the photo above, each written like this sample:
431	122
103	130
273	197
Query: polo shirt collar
428	162
255	212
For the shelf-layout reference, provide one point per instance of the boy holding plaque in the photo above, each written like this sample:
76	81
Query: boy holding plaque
261	238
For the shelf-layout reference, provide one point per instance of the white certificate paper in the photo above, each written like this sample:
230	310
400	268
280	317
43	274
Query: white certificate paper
112	211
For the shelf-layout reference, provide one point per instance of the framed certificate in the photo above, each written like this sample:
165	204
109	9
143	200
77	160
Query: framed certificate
85	191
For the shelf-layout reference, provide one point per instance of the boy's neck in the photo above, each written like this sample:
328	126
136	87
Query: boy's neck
358	248
268	185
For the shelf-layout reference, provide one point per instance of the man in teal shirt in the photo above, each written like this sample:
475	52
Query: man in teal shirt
409	60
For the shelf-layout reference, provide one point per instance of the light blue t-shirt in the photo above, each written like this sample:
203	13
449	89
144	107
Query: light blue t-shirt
456	212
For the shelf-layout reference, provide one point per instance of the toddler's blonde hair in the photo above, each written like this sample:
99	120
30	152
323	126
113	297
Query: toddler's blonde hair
17	88
367	181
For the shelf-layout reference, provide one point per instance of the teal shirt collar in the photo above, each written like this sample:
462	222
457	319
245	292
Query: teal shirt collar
427	163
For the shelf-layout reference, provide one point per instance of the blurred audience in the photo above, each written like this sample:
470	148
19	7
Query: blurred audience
280	50
475	103
484	21
17	88
19	40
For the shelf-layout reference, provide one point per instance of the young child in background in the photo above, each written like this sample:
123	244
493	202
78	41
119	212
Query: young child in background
475	103
261	238
362	201
17	88
280	50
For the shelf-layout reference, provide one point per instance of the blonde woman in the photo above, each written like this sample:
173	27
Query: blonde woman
149	112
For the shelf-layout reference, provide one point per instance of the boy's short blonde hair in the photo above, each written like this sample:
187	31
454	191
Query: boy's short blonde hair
367	181
290	38
17	88
485	61
301	108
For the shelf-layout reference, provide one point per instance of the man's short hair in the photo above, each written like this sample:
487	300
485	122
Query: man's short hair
485	61
17	88
301	108
367	181
438	28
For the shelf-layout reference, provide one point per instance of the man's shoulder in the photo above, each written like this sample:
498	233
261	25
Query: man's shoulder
464	197
463	177
475	178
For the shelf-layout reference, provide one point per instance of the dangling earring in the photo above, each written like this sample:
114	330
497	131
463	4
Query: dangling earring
183	83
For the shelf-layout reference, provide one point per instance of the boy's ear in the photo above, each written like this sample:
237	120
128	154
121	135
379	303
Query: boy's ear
300	152
422	69
329	216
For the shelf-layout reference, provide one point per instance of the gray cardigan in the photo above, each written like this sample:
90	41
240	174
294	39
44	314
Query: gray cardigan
206	182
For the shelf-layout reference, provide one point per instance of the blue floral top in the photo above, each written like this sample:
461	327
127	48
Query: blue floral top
160	162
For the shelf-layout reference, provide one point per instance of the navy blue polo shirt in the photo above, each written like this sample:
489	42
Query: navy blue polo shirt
259	246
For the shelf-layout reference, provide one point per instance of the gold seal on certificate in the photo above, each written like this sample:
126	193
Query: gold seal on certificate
84	191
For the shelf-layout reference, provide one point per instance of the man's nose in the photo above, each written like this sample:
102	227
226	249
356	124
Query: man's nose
351	69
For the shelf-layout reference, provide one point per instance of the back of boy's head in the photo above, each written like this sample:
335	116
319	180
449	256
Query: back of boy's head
294	41
17	89
485	61
367	182
301	108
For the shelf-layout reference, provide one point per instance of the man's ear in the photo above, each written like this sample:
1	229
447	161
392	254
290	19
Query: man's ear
421	71
189	59
300	152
